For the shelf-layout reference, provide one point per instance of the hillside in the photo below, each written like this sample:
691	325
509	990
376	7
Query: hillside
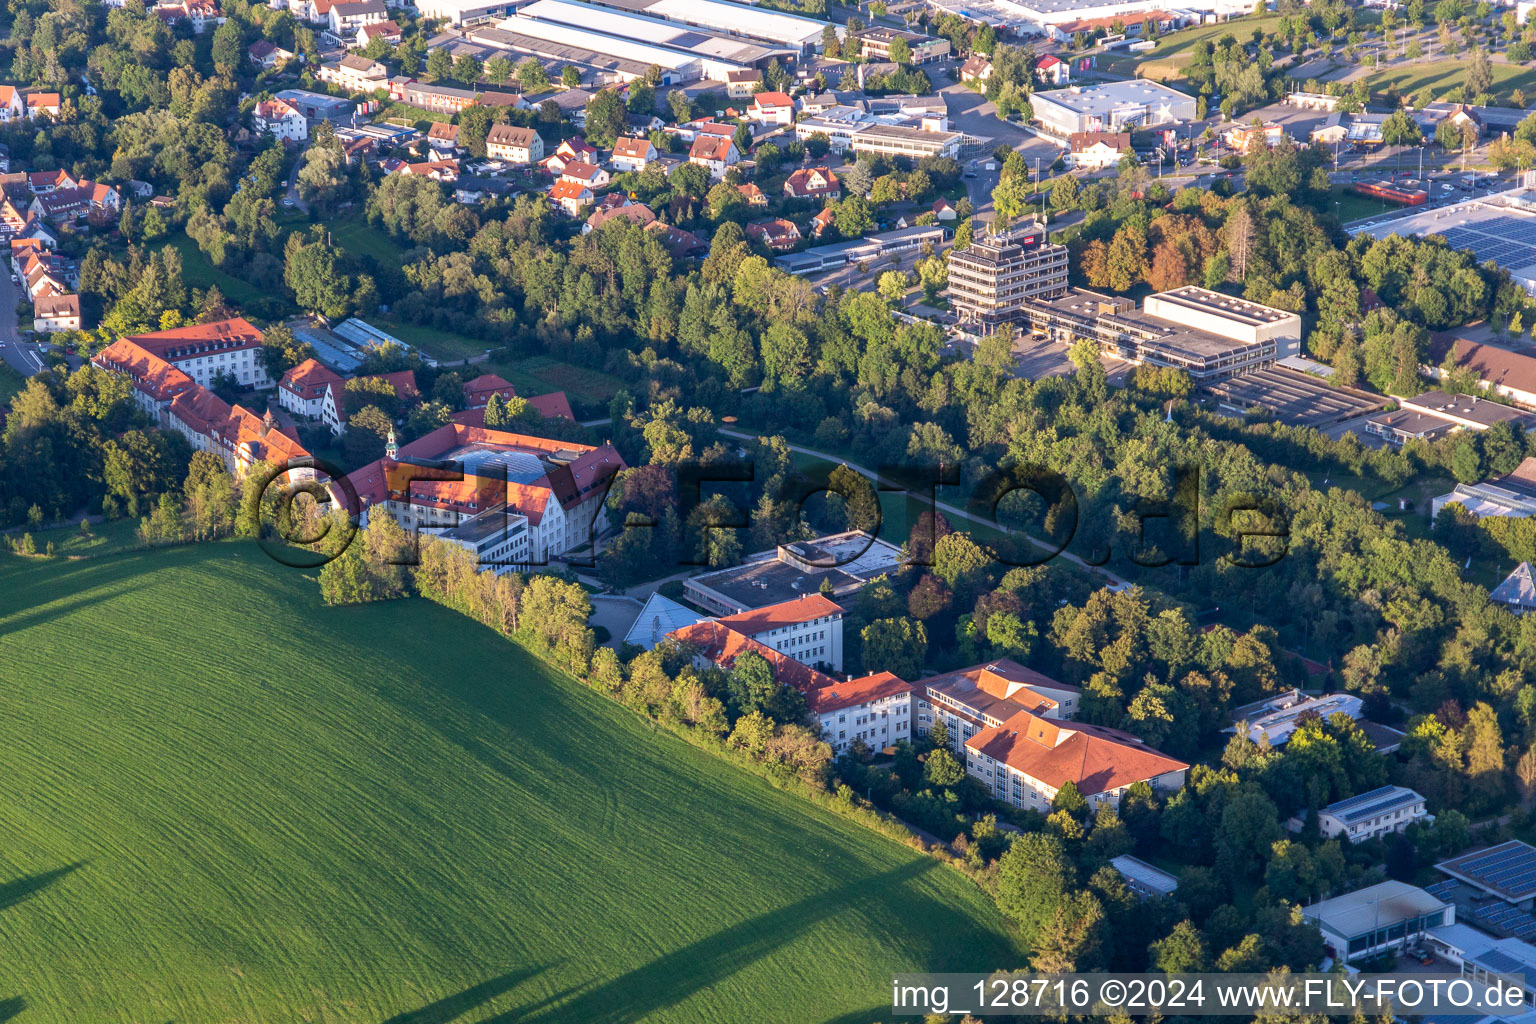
221	801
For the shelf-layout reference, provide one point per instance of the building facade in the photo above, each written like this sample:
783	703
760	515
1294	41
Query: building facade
992	279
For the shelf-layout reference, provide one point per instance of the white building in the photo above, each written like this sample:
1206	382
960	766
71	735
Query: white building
1381	812
1112	107
206	351
1026	760
275	117
715	153
1092	151
774	108
302	389
514	145
658	617
1369	921
800	34
808	629
355	73
875	710
1273	719
1228	317
840	562
346	18
12	106
1513	494
1518	591
631	154
557	486
849	128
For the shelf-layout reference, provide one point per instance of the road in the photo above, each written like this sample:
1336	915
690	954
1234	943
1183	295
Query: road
953	511
22	356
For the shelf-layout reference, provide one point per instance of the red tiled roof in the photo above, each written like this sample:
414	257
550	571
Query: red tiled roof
723	645
1118	141
633	149
786	613
202	410
856	691
1095	759
1496	366
800	182
581	170
219	335
150	374
710	147
766	100
479	391
309	379
563	189
553	406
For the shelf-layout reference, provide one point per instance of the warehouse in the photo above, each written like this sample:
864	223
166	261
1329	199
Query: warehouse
1040	17
464	12
719	55
1111	107
803	35
874	247
627	58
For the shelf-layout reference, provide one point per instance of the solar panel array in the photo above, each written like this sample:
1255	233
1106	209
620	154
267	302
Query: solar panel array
1401	798
1442	890
1509	869
1508	241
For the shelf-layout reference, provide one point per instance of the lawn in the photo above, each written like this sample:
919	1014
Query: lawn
444	346
1442	76
199	273
539	374
226	802
1353	206
11	384
100	539
357	236
1162	61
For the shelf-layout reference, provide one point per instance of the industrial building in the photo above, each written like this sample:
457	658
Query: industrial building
1052	17
1208	335
317	106
1389	915
859	250
849	128
627	58
719	55
1111	107
1512	495
1143	879
465	12
990	281
799	33
1499	228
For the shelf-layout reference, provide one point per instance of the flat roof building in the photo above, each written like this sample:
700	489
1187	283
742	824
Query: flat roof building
1275	718
850	128
990	281
875	43
1113	107
1513	494
1436	413
1208	335
846	561
1506	871
1143	879
792	30
858	250
1388	915
552	39
720	55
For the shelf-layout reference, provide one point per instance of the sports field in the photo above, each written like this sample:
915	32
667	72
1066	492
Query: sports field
223	802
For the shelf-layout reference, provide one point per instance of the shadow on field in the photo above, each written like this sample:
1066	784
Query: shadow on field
671	978
451	1008
11	1007
860	1016
22	889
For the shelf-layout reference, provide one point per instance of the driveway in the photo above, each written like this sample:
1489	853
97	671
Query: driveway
22	356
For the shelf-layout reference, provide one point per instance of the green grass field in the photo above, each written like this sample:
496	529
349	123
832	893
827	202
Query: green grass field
199	273
224	802
1353	206
539	374
11	384
1442	76
103	539
357	236
1172	50
446	346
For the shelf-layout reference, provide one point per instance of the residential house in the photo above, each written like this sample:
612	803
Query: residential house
822	221
514	145
1027	759
302	389
741	83
280	118
443	137
1094	150
268	54
570	151
715	154
437	170
777	234
570	197
1247	138
40	182
56	313
355	73
943	212
1500	370
632	154
478	392
1383	811
752	194
43	103
634	213
813	183
977	68
1052	71
582	173
772	108
346	18
12	105
388	31
680	244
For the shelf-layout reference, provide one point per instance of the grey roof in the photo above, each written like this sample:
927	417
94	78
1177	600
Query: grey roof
1368	805
1518	589
660	616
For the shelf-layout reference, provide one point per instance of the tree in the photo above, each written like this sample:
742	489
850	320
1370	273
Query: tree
531	76
570	77
467	68
607	117
943	769
1181	952
1400	129
498	70
898	646
901	51
1479	73
1034	877
439	64
893	286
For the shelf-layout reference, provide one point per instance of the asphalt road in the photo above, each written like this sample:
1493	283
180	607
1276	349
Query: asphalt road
22	356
